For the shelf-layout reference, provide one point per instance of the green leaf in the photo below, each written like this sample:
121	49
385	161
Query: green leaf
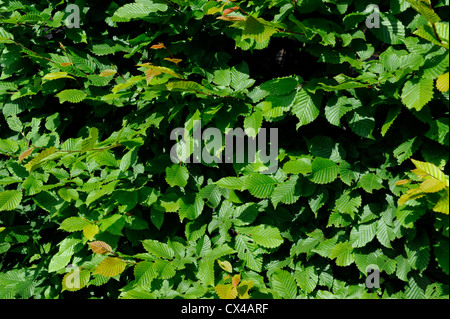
324	171
349	203
335	110
280	86
206	271
260	185
299	166
105	158
89	143
441	252
418	252
285	192
10	200
405	150
346	173
306	106
253	123
73	224
246	251
137	11
391	31
417	93
283	283
240	78
68	194
222	77
191	207
144	273
370	182
361	235
343	252
160	250
385	234
177	175
263	235
129	158
186	86
231	182
72	96
307	279
257	29
14	123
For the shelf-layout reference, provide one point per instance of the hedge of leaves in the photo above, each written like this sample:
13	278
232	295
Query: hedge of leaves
92	205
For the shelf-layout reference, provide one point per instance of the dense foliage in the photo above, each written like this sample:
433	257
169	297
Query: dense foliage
92	205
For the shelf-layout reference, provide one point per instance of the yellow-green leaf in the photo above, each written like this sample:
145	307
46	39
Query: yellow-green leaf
90	230
442	82
57	75
225	265
243	289
34	163
10	199
110	267
226	291
76	280
442	206
108	72
431	170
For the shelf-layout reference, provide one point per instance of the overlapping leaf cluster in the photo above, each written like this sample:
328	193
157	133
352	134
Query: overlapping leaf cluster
92	205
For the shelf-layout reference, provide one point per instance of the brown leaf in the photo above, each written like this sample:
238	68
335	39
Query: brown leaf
402	182
235	281
160	45
229	10
232	18
100	247
66	64
25	154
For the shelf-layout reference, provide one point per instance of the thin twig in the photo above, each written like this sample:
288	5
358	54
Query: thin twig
24	47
